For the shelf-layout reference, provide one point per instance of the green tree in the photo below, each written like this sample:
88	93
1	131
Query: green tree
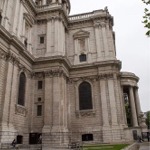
146	17
148	119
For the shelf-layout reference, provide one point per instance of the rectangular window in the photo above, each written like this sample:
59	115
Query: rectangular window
40	84
42	40
82	57
39	110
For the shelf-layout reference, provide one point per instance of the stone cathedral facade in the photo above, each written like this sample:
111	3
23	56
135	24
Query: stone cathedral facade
60	80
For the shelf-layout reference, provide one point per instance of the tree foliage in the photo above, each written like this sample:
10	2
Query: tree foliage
146	17
148	119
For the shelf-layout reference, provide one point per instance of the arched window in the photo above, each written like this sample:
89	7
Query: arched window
22	84
85	96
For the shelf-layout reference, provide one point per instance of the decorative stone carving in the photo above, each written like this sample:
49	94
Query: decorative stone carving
142	120
38	75
3	55
20	110
85	113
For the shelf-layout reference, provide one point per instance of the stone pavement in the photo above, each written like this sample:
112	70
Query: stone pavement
145	146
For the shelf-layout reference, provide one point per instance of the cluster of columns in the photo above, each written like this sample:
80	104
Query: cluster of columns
134	104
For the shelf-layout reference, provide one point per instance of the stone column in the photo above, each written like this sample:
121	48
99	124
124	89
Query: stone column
138	106
133	108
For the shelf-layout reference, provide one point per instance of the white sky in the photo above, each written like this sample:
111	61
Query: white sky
132	46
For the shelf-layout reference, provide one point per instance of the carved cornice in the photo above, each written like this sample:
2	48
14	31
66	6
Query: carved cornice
92	78
38	75
49	74
55	73
106	76
9	57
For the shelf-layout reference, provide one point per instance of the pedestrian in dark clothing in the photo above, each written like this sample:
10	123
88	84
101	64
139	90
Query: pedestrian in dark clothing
13	143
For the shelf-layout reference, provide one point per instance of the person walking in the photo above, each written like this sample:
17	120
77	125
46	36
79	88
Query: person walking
13	143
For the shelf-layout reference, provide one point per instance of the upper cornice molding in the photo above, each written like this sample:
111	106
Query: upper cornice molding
129	75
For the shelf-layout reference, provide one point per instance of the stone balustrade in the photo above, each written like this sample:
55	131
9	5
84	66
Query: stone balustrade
88	15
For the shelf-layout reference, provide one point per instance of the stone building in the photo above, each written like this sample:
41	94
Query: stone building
60	79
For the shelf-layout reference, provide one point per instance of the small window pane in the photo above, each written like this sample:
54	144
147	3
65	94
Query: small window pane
19	139
40	84
87	137
82	57
39	110
41	39
39	99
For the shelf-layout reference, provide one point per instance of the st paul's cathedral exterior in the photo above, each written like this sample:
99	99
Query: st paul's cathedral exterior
60	80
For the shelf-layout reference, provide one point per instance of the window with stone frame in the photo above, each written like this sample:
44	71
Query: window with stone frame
41	39
22	85
40	85
87	137
85	96
39	110
82	58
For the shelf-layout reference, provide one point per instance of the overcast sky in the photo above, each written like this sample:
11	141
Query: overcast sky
133	47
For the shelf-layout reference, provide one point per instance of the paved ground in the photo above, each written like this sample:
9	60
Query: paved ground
145	146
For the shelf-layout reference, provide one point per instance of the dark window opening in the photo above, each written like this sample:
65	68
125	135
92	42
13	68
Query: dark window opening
82	57
40	84
35	138
0	19
85	96
22	84
26	42
127	106
135	136
19	139
87	137
39	99
42	40
39	110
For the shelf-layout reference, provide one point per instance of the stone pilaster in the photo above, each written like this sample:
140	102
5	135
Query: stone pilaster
48	109
3	71
105	41
133	107
99	42
50	37
14	15
112	100
105	115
